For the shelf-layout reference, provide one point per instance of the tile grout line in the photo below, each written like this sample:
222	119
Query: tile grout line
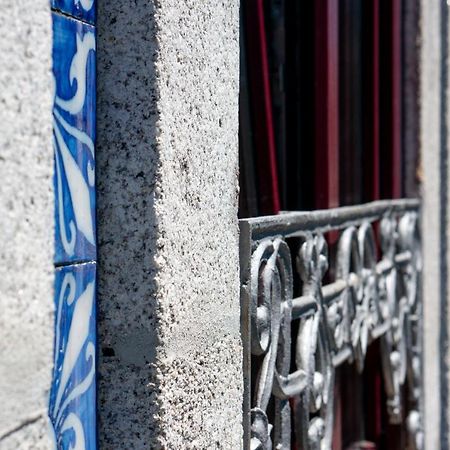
74	263
70	16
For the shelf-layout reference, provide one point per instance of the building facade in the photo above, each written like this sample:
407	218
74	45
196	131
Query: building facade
124	267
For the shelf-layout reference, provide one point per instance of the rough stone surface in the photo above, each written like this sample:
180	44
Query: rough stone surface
430	132
167	160
30	436
26	223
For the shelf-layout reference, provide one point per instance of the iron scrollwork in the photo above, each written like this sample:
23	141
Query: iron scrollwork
294	344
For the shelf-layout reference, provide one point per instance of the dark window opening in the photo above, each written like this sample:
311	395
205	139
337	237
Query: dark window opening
329	117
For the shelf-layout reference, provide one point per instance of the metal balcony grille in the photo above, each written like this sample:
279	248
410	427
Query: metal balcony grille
368	289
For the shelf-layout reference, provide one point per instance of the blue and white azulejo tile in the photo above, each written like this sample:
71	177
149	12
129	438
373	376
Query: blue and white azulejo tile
72	407
82	9
74	138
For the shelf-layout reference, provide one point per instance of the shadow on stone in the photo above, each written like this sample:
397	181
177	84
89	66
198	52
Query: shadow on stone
127	161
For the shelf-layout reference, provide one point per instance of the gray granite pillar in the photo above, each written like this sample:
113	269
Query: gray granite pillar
167	168
434	157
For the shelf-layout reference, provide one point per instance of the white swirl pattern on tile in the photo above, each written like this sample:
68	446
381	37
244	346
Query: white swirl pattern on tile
68	242
73	422
86	4
71	350
78	334
78	73
79	190
66	164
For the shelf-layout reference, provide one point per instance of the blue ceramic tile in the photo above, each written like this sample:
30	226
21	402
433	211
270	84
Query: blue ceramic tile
74	138
82	9
72	407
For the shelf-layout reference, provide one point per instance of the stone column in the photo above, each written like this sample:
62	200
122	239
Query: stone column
26	223
167	168
434	157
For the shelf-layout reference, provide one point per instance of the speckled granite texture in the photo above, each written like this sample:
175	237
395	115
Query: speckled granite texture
432	155
26	223
167	160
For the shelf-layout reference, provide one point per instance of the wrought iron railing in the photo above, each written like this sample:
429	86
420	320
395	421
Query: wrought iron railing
368	289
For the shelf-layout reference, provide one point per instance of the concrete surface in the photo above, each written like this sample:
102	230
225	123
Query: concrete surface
167	160
26	223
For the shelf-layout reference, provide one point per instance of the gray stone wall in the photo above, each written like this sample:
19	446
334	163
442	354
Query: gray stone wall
171	358
26	223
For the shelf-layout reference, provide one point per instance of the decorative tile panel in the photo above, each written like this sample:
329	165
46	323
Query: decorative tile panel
72	407
74	137
82	9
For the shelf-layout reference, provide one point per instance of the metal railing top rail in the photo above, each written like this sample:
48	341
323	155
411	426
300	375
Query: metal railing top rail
290	224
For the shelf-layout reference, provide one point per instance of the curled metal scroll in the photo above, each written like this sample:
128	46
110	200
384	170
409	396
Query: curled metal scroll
297	343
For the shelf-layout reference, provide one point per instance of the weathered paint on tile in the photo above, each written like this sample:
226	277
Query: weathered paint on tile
74	138
72	408
82	9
